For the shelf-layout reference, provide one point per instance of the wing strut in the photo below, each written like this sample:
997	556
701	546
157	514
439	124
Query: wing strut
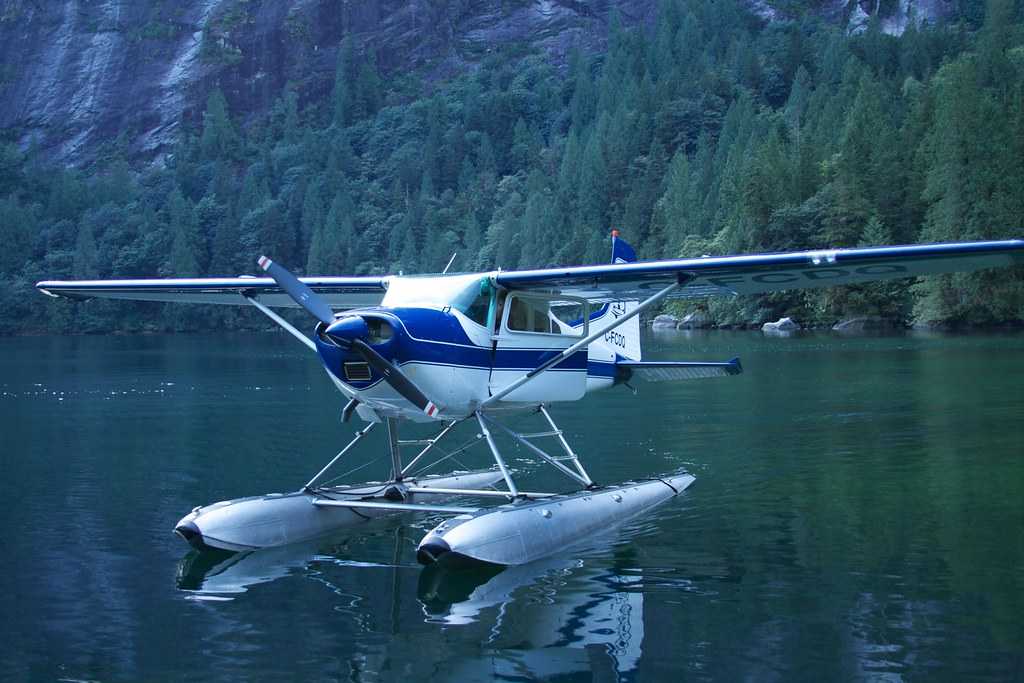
288	327
682	279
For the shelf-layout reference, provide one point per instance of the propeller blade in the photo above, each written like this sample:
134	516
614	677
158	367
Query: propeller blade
303	295
395	377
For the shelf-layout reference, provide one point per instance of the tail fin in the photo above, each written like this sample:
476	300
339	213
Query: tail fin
625	339
621	251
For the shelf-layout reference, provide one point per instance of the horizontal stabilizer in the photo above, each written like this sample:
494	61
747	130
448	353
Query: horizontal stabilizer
671	371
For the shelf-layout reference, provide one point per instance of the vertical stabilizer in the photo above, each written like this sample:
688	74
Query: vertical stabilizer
625	339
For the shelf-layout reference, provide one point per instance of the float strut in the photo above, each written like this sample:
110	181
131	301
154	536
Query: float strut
430	444
396	453
359	435
570	453
540	452
512	490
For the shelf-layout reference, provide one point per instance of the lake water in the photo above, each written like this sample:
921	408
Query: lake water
858	514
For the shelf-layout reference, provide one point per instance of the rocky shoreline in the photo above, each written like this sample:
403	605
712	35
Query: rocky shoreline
787	326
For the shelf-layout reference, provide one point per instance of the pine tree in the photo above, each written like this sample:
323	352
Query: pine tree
973	190
17	226
584	96
85	253
674	211
592	199
183	260
219	139
338	235
524	146
368	94
341	95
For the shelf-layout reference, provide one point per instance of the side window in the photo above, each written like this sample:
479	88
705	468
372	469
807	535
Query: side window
529	315
570	318
536	315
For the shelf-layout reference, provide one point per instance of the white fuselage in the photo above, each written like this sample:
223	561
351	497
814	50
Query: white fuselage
459	349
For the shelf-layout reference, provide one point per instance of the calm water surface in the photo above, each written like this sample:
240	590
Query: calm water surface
858	514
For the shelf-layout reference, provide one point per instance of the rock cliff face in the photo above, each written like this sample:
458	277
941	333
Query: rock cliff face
896	20
76	73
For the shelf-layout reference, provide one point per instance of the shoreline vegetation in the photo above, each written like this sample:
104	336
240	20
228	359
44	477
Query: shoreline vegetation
876	327
710	132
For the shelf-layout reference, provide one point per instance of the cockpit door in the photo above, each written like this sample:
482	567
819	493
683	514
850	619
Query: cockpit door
530	330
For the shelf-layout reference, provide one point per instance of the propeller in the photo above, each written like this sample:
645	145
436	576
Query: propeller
293	287
356	328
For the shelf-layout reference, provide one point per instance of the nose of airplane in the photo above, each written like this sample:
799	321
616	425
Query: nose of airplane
348	329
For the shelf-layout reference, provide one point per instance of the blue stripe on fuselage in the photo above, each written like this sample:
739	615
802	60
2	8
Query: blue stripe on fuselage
431	324
597	368
435	337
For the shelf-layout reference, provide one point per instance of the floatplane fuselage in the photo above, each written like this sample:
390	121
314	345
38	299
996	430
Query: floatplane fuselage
473	348
460	340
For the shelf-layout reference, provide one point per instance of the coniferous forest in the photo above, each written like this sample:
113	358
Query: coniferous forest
710	132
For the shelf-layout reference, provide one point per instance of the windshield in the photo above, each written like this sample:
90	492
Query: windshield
468	294
475	301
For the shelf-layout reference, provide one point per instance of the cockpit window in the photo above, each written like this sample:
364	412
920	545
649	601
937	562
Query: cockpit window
475	301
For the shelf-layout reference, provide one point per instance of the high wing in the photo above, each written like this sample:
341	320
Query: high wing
339	292
700	277
757	274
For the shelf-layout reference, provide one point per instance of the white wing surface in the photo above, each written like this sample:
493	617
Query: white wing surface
340	292
757	274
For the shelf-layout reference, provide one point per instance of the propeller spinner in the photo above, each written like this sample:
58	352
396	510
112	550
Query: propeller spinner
350	333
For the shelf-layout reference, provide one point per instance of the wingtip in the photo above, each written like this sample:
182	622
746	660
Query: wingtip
264	262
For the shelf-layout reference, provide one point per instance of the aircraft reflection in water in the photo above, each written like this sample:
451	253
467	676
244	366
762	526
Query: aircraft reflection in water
592	618
596	626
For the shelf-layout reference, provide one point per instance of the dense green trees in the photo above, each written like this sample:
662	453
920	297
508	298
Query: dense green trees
711	133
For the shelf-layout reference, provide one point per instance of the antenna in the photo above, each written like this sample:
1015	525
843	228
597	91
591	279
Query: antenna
445	271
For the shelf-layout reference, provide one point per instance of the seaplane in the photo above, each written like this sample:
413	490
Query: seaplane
479	349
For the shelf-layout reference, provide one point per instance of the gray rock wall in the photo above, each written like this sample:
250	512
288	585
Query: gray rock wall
76	73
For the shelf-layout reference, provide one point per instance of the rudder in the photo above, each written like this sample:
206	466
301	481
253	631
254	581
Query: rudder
625	339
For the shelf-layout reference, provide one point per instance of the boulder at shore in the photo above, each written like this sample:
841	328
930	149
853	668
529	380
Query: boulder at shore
665	321
865	324
698	320
784	326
